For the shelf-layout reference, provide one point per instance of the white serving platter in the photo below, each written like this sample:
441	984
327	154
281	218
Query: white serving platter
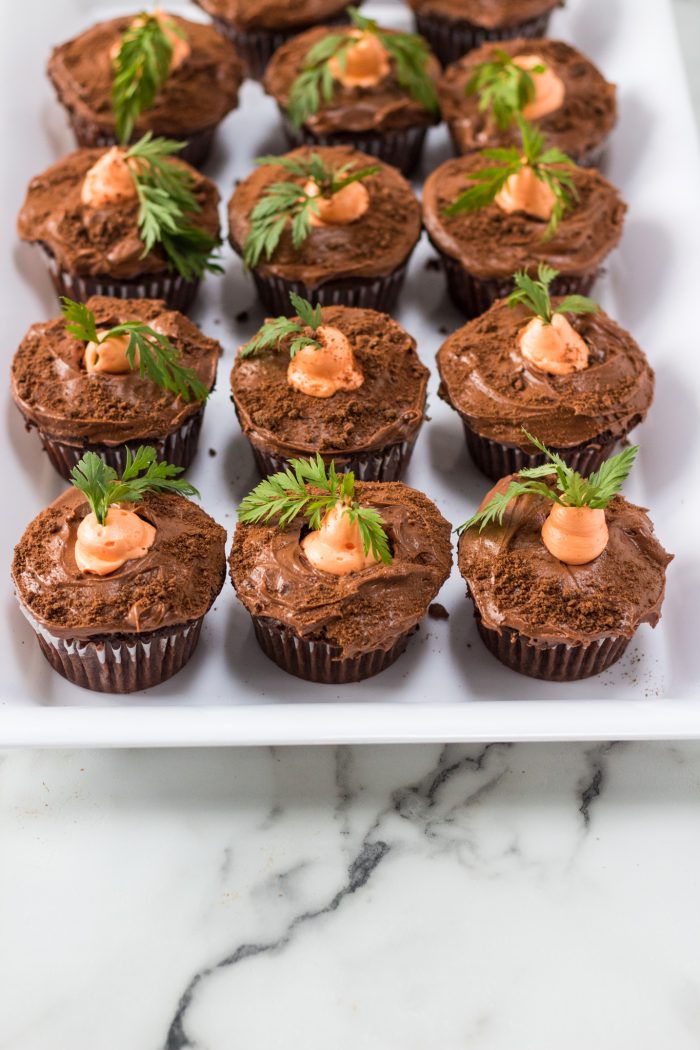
446	686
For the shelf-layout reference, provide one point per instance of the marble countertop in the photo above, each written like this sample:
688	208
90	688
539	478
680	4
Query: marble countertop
538	897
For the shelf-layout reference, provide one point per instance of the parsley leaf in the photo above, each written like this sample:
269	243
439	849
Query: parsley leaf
503	87
141	68
534	295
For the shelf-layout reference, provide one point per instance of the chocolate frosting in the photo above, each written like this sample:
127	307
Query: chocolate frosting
388	408
272	14
515	582
384	107
96	242
581	124
364	610
375	245
175	582
489	14
492	244
196	96
497	391
53	390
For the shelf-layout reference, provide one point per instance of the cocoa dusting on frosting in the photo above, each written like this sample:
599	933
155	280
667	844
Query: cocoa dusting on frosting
375	245
175	581
386	106
388	408
489	243
582	123
489	14
55	392
497	391
98	242
272	14
359	611
196	95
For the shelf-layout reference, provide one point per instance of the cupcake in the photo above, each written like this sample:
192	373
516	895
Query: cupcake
333	225
561	569
453	27
156	73
111	375
365	87
117	574
134	223
258	29
341	382
558	366
546	81
491	214
335	574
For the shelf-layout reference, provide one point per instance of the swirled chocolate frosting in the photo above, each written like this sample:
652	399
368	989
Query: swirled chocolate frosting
98	242
375	245
497	391
489	243
515	582
489	14
176	581
582	123
196	95
53	390
272	14
364	610
384	107
388	408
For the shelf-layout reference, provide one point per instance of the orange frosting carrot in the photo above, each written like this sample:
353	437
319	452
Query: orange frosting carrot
337	546
341	208
549	87
108	181
575	535
556	347
101	549
525	192
363	64
109	356
321	372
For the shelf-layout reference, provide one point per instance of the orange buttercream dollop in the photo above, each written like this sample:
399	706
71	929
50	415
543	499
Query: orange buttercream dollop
337	546
549	87
181	48
523	191
110	356
109	181
363	64
101	549
575	535
341	208
322	372
556	347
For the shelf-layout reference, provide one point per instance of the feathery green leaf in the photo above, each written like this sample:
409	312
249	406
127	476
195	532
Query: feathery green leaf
503	87
141	68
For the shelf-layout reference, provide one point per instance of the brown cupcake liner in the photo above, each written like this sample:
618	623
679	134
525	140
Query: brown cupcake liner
256	47
449	39
177	292
198	144
318	661
385	464
371	293
401	148
552	663
497	460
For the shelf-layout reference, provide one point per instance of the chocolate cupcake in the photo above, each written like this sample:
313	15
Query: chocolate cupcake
98	216
112	375
332	225
337	575
489	217
117	593
341	382
559	367
453	27
258	29
562	572
365	87
546	81
156	73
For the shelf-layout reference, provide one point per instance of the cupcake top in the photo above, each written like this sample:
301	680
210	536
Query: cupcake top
356	383
88	211
499	381
272	14
199	88
365	233
370	89
489	14
65	392
277	573
571	101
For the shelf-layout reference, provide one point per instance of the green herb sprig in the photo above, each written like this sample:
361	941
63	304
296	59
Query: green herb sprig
315	83
102	486
280	329
288	202
141	69
550	165
308	489
503	87
570	489
157	357
534	295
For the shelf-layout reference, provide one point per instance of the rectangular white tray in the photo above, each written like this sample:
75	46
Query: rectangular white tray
446	686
